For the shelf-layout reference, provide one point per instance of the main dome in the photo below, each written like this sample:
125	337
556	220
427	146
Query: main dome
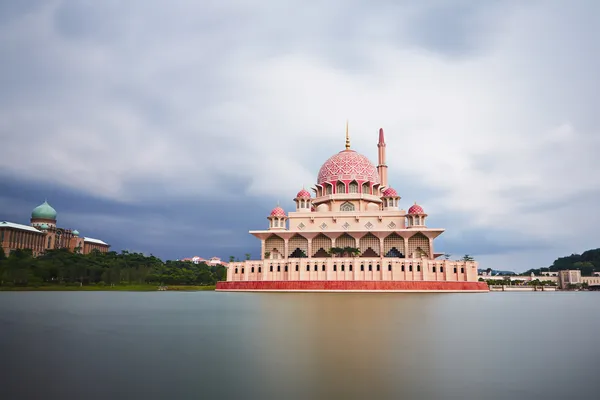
44	211
348	165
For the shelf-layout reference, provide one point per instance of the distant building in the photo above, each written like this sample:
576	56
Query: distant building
569	277
549	273
43	234
213	261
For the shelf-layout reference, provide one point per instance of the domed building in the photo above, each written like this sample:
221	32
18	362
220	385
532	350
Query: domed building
350	234
43	234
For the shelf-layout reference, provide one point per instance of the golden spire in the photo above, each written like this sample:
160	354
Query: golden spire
347	137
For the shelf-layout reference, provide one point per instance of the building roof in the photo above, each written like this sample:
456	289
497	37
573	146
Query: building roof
97	241
390	192
348	165
6	224
303	194
44	211
416	209
278	212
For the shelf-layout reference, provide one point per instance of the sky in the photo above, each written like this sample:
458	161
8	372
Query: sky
173	128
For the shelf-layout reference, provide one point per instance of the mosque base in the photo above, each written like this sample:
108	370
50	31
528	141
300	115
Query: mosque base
352	286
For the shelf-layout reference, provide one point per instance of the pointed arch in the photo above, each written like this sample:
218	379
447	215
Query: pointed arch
345	241
298	247
328	188
347	206
366	188
340	187
369	246
418	246
275	245
393	246
353	187
321	245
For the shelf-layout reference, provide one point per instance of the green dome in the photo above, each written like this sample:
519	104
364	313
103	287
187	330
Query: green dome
44	226
44	211
75	232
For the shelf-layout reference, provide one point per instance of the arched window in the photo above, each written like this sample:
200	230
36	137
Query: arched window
259	270
402	267
340	187
252	270
362	267
366	188
342	267
418	268
296	267
334	267
378	268
308	268
271	268
236	270
242	270
410	268
347	206
370	267
323	268
353	187
350	267
328	189
316	267
389	267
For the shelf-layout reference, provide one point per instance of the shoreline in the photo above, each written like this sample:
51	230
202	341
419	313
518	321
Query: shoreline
116	288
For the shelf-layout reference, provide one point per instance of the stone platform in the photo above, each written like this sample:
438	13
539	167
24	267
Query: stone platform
352	286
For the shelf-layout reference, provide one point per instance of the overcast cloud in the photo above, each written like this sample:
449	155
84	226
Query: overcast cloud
174	127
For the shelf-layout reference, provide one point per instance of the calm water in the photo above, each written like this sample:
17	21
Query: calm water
165	345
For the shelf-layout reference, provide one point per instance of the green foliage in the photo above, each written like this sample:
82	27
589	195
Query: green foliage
2	254
344	251
587	263
61	267
467	257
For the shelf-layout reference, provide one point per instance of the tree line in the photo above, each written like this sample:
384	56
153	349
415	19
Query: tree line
62	267
587	262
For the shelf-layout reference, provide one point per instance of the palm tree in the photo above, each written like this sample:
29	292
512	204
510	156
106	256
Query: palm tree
247	256
231	258
467	257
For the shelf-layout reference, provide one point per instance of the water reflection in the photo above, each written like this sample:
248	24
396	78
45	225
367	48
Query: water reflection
299	346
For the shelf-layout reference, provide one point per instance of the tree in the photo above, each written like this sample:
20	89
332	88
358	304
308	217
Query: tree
2	254
247	256
267	254
231	258
467	257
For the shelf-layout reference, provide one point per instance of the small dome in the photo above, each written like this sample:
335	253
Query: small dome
44	227
278	212
390	192
303	194
75	232
416	209
44	211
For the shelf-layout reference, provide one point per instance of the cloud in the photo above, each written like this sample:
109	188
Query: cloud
488	107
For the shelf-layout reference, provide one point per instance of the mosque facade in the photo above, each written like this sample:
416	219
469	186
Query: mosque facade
350	234
43	234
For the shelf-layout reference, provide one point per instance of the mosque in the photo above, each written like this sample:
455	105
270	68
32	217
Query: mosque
350	234
43	234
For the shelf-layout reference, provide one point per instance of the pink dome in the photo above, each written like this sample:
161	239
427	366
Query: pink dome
390	192
348	165
416	209
278	212
303	194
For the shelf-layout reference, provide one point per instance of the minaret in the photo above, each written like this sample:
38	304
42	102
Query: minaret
382	167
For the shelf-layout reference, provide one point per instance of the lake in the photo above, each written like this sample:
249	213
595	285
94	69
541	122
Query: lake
173	345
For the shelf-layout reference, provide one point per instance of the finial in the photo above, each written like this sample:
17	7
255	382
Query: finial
347	137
